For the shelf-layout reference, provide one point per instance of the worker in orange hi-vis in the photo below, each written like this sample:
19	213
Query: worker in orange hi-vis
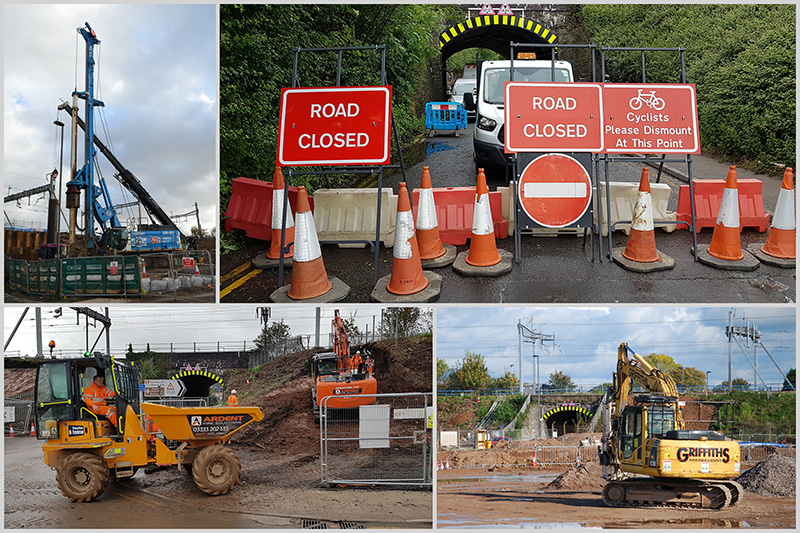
357	362
368	365
96	395
233	400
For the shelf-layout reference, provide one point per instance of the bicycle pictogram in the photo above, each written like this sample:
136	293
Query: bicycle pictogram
652	101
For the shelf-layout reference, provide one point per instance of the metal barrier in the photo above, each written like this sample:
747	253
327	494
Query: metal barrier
386	443
445	116
80	276
752	454
23	414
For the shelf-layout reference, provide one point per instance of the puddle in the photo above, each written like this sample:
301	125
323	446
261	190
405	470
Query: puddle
445	521
437	147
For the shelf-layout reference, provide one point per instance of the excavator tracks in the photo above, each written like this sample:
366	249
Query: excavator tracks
672	493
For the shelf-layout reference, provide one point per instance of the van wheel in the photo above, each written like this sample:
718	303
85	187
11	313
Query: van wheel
216	470
82	476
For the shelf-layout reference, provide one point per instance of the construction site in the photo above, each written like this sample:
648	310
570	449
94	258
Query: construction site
289	453
103	232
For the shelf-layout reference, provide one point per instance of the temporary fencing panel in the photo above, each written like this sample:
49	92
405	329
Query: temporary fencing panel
565	455
43	276
18	275
445	116
755	453
385	443
101	275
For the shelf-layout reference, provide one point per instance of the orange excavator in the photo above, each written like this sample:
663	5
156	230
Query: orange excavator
343	376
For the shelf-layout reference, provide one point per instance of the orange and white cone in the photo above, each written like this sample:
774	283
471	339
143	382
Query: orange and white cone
725	241
309	278
447	464
278	191
533	460
11	434
144	270
641	245
196	269
428	239
781	238
407	276
482	246
33	430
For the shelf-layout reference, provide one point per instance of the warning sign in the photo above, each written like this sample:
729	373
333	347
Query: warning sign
650	118
555	190
335	126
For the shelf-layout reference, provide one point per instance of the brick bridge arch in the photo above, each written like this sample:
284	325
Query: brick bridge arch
495	32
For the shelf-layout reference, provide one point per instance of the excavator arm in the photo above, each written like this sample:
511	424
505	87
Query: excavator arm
340	344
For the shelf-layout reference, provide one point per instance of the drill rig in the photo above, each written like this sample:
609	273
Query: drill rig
340	373
644	436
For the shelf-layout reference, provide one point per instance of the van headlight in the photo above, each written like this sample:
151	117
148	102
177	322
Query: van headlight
485	124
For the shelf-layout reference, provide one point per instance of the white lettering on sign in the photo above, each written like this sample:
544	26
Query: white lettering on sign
555	130
330	111
554	190
647	117
337	140
549	103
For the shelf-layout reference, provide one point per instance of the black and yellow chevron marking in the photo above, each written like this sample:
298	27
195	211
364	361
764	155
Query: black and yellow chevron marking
204	373
496	20
561	408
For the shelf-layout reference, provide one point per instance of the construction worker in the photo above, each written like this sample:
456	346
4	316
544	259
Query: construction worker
96	395
358	362
233	400
369	364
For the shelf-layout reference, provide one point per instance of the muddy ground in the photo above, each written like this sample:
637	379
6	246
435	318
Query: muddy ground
536	497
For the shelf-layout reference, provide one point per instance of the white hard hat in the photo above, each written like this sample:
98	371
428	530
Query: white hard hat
233	391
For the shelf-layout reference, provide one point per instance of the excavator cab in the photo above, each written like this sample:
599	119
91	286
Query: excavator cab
60	412
114	238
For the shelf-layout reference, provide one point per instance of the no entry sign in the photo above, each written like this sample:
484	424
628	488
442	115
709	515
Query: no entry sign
335	126
544	117
650	118
555	190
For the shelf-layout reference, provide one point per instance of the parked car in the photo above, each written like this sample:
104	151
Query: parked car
460	88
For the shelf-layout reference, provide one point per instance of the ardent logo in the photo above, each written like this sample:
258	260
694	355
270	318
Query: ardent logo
684	454
225	418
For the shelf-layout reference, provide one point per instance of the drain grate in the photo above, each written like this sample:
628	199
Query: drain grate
350	525
314	524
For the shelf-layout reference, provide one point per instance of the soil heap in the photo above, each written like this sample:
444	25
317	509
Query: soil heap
585	476
282	389
774	476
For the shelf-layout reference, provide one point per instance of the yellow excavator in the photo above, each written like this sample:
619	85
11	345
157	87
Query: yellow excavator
88	450
649	459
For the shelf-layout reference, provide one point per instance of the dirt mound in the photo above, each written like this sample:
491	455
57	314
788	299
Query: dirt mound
774	476
580	477
282	389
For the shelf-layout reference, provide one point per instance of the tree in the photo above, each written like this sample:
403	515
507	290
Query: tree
443	372
508	380
561	381
406	321
471	373
738	384
272	335
681	375
130	348
790	378
601	389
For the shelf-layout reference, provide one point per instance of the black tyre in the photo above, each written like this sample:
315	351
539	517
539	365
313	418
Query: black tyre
216	470
82	477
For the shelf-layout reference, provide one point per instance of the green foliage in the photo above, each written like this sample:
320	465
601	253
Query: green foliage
443	372
458	60
271	335
507	381
471	373
740	57
681	375
737	383
601	389
790	378
755	413
151	365
561	380
507	410
406	321
256	369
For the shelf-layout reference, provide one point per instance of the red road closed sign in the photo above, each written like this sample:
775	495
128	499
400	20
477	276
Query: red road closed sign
188	262
555	190
335	126
550	117
650	118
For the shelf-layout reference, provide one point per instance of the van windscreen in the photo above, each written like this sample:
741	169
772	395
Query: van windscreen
494	78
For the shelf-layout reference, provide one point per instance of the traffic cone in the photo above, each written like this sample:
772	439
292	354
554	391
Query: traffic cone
11	434
725	242
447	464
781	237
641	245
309	278
196	269
430	244
33	430
407	276
278	190
533	460
144	269
482	247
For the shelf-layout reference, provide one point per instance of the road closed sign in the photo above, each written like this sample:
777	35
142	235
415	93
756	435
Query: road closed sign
650	118
553	117
335	126
555	190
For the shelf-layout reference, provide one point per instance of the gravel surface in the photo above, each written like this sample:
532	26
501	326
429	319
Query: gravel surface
774	476
584	476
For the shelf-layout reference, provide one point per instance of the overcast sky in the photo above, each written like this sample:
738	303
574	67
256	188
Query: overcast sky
587	338
157	75
161	325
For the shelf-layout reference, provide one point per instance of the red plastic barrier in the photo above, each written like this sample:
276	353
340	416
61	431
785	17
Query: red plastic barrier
708	196
454	211
250	207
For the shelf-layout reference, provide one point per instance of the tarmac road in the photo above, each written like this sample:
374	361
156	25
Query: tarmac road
562	269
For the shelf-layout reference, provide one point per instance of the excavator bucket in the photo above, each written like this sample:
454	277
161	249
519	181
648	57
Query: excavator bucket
196	424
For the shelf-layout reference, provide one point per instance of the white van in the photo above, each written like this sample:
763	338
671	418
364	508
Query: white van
488	140
461	87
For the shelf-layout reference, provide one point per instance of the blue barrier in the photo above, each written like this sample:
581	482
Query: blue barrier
445	116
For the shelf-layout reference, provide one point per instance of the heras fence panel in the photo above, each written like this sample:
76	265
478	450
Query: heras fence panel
42	276
752	454
565	455
97	276
387	442
18	275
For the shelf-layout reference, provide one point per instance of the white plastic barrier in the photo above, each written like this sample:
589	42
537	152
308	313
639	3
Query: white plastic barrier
351	214
623	199
448	439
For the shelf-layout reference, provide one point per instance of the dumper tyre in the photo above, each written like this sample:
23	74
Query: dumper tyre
216	470
82	477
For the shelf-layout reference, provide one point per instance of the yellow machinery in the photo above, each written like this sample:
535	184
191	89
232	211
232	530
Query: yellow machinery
341	375
649	458
87	451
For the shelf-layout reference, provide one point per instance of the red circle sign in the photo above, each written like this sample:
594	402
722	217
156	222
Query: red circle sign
555	190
